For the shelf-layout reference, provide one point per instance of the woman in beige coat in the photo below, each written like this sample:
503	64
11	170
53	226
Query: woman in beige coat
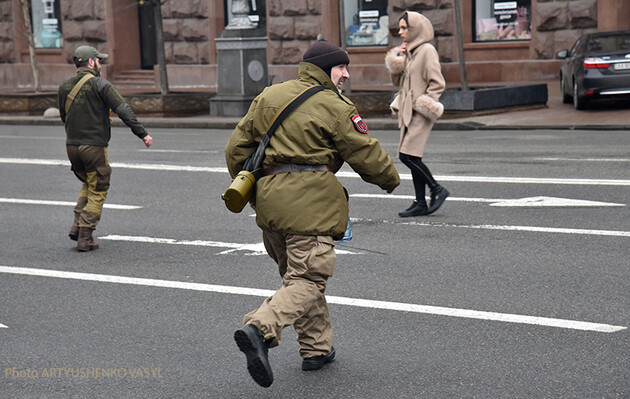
415	68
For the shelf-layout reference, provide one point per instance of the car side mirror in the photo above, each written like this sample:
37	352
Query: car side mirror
562	54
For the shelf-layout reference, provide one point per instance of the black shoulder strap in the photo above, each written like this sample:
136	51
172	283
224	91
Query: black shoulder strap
257	158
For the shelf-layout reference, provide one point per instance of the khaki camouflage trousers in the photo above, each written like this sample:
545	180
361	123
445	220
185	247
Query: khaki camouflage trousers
91	165
305	264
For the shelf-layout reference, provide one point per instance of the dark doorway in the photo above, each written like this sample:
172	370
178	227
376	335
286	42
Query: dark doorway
148	52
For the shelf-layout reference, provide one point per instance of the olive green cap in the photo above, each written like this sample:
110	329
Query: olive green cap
84	53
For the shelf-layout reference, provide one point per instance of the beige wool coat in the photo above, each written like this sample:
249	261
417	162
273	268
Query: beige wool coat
418	74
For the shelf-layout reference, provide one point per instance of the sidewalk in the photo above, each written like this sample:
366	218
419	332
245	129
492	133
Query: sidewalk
556	115
605	114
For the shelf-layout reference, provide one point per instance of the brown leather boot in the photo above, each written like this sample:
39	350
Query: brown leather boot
74	229
86	242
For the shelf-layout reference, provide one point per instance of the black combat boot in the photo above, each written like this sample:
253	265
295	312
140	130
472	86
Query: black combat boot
317	362
85	242
250	341
418	208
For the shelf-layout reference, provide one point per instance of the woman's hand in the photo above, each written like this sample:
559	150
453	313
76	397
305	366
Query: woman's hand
402	49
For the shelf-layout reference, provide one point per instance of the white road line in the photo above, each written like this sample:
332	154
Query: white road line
584	159
537	229
513	180
181	151
62	203
466	179
30	161
539	201
357	302
542	201
3	326
250	249
34	137
122	165
259	249
530	180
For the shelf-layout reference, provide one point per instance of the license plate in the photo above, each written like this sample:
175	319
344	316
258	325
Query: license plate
622	65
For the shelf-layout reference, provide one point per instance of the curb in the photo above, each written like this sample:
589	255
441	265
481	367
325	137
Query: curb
230	123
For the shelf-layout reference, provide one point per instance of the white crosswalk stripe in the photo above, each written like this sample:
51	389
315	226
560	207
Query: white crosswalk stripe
356	302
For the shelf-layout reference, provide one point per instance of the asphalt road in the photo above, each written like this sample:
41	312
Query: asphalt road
519	287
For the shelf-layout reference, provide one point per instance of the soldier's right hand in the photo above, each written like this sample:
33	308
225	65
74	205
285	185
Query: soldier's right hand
148	140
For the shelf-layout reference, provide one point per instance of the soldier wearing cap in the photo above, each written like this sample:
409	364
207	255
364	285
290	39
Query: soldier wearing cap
85	101
300	205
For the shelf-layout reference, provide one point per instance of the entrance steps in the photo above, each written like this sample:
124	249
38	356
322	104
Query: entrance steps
135	79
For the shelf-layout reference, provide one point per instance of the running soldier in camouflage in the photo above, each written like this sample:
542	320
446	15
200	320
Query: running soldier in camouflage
300	205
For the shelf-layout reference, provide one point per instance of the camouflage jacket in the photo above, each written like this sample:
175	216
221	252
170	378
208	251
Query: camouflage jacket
325	130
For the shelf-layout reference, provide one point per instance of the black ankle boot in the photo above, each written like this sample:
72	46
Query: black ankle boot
413	205
418	208
438	196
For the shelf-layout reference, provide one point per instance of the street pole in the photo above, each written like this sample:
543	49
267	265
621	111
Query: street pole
460	47
347	90
159	37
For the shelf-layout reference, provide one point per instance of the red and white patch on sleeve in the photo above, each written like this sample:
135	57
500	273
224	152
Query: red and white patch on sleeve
359	124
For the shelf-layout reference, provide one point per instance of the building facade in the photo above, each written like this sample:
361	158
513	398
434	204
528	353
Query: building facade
504	41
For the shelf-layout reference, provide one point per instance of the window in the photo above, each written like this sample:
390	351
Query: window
579	43
502	20
607	43
46	20
366	22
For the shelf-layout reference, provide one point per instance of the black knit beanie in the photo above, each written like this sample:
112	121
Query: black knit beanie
326	56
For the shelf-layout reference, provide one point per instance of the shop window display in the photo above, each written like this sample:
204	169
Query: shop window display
46	22
366	22
502	20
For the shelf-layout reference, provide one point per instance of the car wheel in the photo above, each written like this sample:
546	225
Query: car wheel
578	102
566	98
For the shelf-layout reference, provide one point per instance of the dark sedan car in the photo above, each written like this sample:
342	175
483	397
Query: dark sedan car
598	66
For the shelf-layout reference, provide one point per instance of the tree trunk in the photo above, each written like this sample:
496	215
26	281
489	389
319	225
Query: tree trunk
31	45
